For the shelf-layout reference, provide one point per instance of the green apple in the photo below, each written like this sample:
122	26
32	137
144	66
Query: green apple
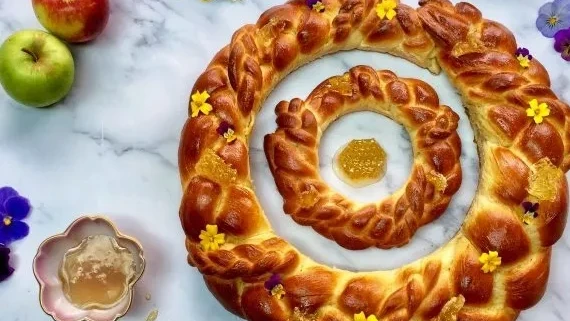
36	68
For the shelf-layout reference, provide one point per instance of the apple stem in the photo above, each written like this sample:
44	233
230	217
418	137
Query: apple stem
31	54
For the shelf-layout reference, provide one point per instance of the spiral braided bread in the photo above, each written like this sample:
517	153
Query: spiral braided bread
522	162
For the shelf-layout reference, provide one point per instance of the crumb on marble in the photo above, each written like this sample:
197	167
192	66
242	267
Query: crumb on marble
152	315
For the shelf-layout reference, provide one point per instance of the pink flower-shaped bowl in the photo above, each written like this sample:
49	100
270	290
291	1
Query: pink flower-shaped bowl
50	254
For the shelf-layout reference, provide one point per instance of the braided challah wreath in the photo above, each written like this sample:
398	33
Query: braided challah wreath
496	265
292	152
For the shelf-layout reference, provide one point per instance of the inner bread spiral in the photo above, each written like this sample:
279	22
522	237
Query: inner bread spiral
495	266
292	153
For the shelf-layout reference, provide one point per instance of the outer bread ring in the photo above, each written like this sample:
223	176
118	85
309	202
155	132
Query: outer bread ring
293	155
478	57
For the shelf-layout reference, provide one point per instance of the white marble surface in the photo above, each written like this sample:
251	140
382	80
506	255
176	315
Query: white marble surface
111	147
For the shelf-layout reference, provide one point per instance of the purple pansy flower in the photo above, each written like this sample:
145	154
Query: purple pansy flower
524	57
523	52
553	16
224	127
5	269
273	281
311	3
530	212
13	209
530	208
562	43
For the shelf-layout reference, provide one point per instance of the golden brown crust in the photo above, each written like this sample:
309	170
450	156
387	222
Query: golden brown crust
478	57
292	154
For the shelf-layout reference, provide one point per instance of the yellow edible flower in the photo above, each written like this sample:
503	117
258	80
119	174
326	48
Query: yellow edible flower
362	317
529	211
528	217
278	291
319	6
537	111
199	103
490	261
210	239
524	61
230	135
385	9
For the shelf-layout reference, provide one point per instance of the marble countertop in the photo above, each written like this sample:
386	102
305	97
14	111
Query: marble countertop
111	147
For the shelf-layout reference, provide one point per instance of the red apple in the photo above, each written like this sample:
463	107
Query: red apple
73	20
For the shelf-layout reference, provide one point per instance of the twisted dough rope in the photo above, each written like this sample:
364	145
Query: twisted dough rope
515	155
292	153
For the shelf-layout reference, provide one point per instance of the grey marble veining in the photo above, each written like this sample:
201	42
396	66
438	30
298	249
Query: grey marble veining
111	147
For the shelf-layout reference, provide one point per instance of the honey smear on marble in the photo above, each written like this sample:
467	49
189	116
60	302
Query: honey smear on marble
97	273
361	162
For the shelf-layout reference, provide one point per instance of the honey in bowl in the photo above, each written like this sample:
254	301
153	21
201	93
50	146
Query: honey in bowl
361	162
96	274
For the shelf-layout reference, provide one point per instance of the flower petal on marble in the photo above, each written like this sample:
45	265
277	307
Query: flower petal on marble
17	207
5	269
6	192
13	232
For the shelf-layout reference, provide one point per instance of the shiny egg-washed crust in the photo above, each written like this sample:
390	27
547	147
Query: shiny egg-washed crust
293	157
477	55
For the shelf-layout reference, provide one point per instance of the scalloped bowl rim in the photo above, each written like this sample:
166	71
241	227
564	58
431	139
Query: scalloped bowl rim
93	218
